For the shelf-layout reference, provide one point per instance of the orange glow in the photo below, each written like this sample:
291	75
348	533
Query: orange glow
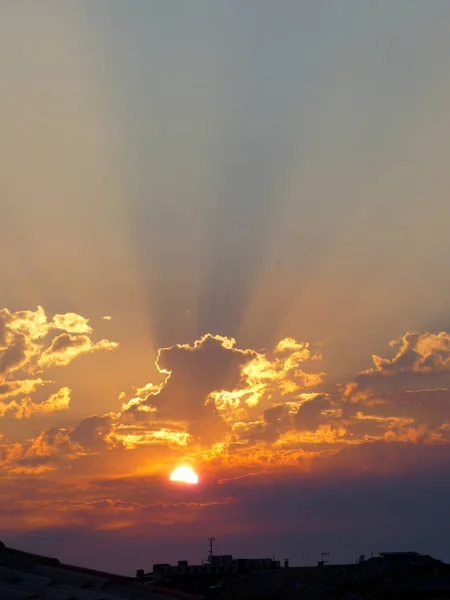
185	475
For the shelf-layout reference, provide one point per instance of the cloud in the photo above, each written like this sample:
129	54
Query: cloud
266	379
314	413
30	343
25	408
58	401
389	400
220	405
418	355
104	504
212	384
191	373
91	433
212	395
72	323
33	324
16	348
20	387
411	415
23	337
65	347
46	452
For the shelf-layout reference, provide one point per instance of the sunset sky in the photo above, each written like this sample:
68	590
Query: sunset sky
224	245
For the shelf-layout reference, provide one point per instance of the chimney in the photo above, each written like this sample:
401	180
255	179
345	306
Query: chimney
140	574
286	563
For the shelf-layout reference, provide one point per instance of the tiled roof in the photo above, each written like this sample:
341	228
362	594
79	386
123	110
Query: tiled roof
25	576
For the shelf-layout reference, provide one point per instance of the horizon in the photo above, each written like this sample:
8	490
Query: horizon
326	556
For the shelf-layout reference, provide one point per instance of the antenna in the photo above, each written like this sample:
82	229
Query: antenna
211	540
323	562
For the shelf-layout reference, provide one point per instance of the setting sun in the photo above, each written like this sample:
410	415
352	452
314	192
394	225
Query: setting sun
184	474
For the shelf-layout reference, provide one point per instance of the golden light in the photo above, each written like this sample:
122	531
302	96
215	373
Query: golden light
184	474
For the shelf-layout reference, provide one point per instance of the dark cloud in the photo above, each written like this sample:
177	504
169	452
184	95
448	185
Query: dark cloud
210	364
421	359
90	433
191	373
18	352
307	415
310	414
418	353
410	410
64	341
403	398
2	328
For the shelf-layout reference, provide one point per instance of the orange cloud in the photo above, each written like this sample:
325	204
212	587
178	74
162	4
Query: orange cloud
28	345
65	347
20	387
72	323
212	393
23	345
220	404
16	349
420	353
26	407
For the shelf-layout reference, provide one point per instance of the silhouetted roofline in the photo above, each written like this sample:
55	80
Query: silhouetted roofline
14	560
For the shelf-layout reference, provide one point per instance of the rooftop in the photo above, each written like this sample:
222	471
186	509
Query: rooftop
26	576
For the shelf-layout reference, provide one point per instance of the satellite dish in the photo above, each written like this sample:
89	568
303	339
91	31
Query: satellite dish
362	558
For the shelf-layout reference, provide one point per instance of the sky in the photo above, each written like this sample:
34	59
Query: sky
224	244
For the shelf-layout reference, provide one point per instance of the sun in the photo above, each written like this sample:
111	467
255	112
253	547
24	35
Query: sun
184	474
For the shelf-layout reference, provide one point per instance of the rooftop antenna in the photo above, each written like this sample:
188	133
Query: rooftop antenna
211	541
323	561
